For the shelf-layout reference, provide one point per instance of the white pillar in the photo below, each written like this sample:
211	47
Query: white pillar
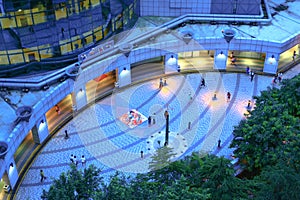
40	131
2	8
220	59
171	63
271	63
12	172
79	98
124	75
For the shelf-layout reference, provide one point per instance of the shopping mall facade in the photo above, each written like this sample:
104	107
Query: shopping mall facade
102	37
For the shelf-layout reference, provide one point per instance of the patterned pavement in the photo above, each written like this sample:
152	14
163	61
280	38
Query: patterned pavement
99	135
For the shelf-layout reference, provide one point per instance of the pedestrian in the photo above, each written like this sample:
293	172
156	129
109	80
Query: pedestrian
161	84
72	158
42	175
149	121
219	143
248	70
249	104
274	81
57	109
231	55
202	82
228	96
233	60
165	81
280	77
252	76
75	161
153	119
142	154
294	56
66	134
83	160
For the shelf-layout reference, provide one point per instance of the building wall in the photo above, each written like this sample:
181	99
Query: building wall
174	8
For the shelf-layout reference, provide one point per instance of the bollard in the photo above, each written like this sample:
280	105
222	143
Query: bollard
215	96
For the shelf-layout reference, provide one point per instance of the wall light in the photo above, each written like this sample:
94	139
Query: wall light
11	165
42	121
25	90
124	68
221	53
272	56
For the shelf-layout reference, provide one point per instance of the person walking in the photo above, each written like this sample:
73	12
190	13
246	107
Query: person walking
228	96
252	76
161	84
43	177
149	120
202	82
83	160
248	70
153	119
72	158
294	56
75	161
57	109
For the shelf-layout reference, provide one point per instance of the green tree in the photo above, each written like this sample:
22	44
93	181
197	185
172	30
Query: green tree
271	130
76	184
278	182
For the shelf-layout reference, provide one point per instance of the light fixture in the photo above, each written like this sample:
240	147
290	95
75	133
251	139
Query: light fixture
124	68
42	121
221	53
11	165
80	89
62	79
46	87
272	56
25	90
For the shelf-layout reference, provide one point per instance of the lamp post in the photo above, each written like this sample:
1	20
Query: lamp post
167	128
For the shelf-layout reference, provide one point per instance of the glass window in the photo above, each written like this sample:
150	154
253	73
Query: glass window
66	48
16	58
4	60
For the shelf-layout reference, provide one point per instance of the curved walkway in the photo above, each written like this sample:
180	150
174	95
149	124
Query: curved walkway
100	135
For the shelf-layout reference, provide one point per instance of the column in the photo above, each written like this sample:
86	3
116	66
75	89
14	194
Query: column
220	59
79	98
171	63
2	8
124	75
40	131
271	63
12	172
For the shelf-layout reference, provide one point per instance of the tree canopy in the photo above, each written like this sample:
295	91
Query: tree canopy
271	131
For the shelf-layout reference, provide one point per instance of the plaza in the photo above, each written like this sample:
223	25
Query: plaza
121	74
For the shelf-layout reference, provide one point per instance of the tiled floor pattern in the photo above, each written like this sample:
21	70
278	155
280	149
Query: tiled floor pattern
111	145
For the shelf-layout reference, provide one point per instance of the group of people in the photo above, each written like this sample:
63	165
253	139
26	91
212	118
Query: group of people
75	160
277	78
250	73
151	119
134	118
